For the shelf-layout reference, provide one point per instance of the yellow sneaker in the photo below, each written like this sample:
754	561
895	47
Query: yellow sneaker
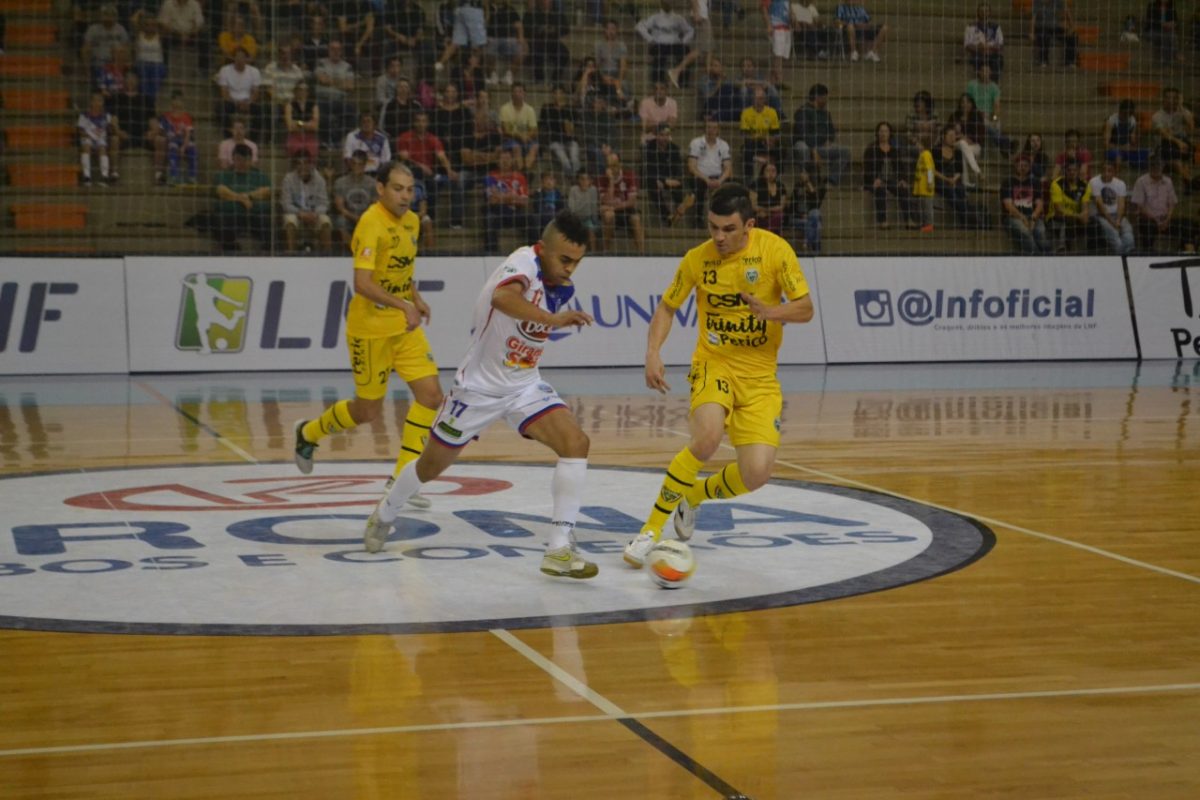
565	562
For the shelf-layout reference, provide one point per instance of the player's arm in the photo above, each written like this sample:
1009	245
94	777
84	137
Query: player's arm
366	286
419	303
660	328
798	310
509	299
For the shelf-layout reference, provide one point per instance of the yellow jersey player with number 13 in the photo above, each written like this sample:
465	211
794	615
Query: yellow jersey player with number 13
383	329
740	276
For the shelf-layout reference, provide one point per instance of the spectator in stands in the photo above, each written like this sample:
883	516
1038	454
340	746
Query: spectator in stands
388	80
1109	195
335	87
923	182
598	133
546	202
101	37
182	23
236	36
354	26
718	97
667	35
506	192
611	63
468	76
618	189
948	169
545	28
243	201
811	31
777	14
425	155
315	46
1122	137
984	42
921	127
557	123
972	131
662	171
470	30
237	137
369	138
99	134
1176	130
240	84
710	164
584	202
1070	207
1021	201
656	109
110	80
133	110
149	58
1160	29
519	124
282	76
486	138
814	137
760	135
397	114
702	43
752	79
886	171
1039	163
304	200
506	43
1154	201
986	94
302	121
1073	150
1049	20
454	124
808	193
353	194
405	36
770	199
173	140
855	21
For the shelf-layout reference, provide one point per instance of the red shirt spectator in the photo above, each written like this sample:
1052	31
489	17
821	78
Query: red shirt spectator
421	148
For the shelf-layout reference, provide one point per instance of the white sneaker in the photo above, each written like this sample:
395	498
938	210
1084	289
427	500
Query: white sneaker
871	56
376	532
438	66
493	78
854	55
508	78
420	501
565	562
637	550
685	520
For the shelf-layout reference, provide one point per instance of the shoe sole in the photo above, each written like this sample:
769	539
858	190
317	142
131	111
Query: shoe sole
419	501
305	465
577	574
682	532
633	562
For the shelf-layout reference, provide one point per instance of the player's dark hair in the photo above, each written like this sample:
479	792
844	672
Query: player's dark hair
729	199
243	150
385	172
569	226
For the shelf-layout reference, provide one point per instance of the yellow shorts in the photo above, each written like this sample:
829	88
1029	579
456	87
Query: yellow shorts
753	405
372	361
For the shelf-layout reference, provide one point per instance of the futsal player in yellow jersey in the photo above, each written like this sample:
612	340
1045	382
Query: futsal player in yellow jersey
383	326
740	276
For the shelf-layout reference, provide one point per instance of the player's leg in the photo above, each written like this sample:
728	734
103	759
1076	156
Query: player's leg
370	361
413	361
85	161
555	426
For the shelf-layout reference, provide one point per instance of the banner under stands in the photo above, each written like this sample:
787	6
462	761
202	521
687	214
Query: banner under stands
60	316
1166	297
974	309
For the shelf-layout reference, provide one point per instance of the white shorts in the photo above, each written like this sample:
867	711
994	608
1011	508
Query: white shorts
464	413
781	43
294	220
469	27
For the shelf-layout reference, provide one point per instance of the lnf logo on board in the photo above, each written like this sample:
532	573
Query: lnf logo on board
257	549
212	313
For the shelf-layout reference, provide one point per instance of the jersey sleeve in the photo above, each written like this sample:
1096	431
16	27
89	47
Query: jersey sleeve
683	282
791	277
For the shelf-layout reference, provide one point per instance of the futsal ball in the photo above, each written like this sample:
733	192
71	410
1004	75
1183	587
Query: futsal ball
670	564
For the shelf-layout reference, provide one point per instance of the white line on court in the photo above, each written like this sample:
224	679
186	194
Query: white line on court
607	717
990	521
150	390
559	674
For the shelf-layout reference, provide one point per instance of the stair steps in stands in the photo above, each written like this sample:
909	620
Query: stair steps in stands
43	176
33	138
26	6
1099	61
30	34
30	66
1131	90
35	100
49	216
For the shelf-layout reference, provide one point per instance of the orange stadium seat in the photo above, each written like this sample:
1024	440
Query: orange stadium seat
49	216
43	176
30	66
1088	34
35	100
39	137
27	6
1097	61
1131	90
31	35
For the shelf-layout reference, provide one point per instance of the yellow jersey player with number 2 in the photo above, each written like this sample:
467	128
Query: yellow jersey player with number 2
383	329
740	275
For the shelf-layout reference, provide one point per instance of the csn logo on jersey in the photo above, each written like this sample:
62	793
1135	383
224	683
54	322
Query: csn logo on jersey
239	549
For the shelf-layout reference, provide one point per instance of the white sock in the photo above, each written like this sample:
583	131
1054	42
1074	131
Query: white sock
566	488
85	161
104	166
405	486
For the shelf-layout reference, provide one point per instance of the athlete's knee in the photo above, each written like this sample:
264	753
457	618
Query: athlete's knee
704	446
575	444
755	476
363	411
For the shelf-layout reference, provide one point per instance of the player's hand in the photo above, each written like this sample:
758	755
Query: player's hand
412	316
757	307
569	316
656	374
423	309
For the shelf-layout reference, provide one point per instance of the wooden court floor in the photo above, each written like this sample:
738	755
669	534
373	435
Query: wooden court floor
1063	663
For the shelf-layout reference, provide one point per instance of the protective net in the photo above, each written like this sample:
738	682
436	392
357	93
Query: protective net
181	126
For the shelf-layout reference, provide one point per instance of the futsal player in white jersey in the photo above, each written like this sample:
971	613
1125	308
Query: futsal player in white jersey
521	303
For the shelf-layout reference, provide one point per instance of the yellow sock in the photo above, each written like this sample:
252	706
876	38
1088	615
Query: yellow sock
681	475
415	435
724	484
332	420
